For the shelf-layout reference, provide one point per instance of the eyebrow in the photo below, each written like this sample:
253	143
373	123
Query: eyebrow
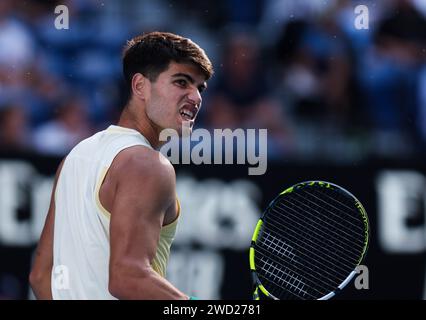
190	79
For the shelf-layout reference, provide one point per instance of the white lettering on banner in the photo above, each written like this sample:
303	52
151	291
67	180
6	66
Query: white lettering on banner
217	214
401	195
197	272
16	187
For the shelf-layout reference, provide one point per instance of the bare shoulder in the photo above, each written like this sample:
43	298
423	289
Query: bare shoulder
143	167
143	160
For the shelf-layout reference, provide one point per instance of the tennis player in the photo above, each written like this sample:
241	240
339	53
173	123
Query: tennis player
113	211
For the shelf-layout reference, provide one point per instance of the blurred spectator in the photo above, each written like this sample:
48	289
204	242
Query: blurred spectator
316	71
278	13
331	89
17	48
390	72
14	135
240	82
316	81
241	95
69	126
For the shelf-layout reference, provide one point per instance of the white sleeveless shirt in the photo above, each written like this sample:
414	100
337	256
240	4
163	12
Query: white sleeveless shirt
81	245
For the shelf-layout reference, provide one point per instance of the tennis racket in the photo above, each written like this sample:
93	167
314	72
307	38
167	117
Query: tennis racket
308	243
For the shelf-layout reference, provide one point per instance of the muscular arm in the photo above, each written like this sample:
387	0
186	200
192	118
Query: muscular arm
40	276
145	190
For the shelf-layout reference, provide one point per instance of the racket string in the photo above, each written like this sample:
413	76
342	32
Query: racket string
325	215
351	225
269	244
279	277
327	286
320	225
322	262
338	218
314	192
281	286
308	235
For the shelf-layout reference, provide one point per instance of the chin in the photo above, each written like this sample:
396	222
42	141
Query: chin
184	133
185	128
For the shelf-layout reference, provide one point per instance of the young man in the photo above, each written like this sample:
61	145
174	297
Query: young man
113	211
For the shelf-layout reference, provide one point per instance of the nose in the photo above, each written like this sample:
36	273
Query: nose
195	97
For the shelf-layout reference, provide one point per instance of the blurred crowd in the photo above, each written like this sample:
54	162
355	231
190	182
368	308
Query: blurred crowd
324	89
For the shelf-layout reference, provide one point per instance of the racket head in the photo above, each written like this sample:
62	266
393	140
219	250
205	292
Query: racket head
308	242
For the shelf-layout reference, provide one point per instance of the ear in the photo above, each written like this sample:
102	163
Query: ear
139	83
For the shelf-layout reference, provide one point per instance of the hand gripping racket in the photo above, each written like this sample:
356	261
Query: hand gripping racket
308	242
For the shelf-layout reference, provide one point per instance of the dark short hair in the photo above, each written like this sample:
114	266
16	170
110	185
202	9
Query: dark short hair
150	54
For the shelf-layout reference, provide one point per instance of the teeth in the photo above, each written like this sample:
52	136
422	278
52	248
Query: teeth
187	113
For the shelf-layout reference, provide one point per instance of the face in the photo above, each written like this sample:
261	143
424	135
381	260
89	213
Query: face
175	97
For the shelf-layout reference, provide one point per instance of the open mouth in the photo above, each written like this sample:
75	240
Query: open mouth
188	112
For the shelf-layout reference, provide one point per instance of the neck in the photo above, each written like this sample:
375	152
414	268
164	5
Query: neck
142	124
